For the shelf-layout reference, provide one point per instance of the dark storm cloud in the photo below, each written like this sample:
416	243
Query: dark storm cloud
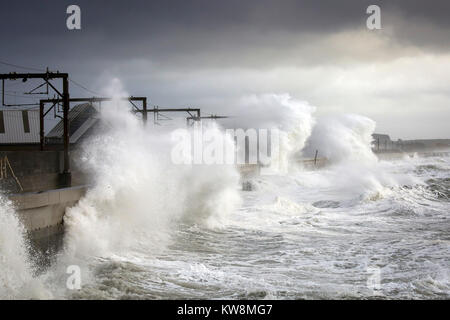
203	32
165	28
209	53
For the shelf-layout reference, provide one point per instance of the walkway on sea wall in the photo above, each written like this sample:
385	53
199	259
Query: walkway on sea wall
399	154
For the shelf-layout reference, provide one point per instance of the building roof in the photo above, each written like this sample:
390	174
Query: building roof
81	118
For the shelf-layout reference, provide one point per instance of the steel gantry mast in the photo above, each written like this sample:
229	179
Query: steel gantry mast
64	96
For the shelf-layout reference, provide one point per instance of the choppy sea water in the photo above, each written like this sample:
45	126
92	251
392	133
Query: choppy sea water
334	233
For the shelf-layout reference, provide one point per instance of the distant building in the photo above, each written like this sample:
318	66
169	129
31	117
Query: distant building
382	138
381	141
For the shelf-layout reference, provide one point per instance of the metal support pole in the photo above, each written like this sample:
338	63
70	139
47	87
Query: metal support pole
66	175
41	124
144	107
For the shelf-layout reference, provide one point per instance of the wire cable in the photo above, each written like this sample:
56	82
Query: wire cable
41	70
21	67
83	87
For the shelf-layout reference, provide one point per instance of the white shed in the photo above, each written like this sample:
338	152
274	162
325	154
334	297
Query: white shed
19	126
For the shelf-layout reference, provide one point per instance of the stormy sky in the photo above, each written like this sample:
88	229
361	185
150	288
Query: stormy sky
210	53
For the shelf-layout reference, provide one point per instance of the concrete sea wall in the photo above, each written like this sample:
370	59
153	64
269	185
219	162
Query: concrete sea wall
32	170
42	213
25	171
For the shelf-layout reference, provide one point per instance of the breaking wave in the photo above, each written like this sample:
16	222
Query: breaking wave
138	193
148	228
17	279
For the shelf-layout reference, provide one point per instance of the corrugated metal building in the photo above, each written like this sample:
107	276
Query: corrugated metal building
19	126
22	126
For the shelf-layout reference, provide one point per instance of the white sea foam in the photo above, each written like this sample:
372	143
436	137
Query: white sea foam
150	228
16	272
138	192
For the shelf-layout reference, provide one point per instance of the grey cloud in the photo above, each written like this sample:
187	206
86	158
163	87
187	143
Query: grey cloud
205	32
212	52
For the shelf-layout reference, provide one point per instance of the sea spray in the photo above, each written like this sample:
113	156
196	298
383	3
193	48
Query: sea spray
345	137
303	221
138	193
292	117
345	141
16	272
